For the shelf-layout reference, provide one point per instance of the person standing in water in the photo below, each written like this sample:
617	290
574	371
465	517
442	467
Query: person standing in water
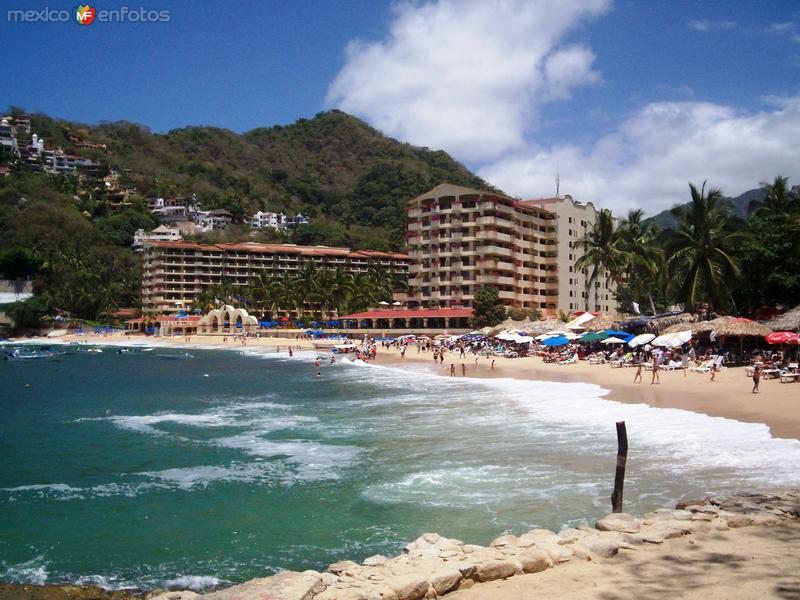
317	364
452	370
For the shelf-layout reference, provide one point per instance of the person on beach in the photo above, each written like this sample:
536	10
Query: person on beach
713	370
756	378
492	364
638	377
452	370
290	352
463	370
655	378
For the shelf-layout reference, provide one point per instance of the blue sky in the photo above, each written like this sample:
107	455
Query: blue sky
627	100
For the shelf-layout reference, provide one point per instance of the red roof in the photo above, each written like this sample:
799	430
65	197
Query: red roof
411	314
278	249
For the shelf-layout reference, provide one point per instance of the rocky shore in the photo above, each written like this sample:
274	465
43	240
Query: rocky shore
432	566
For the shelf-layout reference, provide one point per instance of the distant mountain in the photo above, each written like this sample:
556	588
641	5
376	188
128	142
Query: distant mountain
334	168
666	220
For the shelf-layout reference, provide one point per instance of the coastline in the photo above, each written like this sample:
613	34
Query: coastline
776	405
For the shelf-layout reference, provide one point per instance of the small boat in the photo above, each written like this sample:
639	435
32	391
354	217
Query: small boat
134	350
184	356
23	354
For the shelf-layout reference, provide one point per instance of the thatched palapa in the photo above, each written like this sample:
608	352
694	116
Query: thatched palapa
743	329
603	322
788	321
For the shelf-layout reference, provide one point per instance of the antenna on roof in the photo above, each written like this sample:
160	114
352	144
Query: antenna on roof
558	182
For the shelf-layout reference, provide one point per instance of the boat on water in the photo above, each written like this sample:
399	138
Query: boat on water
134	350
25	354
184	356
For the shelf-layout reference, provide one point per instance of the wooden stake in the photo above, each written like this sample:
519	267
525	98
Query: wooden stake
622	459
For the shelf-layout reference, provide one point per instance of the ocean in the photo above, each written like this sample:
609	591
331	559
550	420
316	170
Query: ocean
134	470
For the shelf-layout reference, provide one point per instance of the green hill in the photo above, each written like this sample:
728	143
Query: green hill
347	176
740	204
65	231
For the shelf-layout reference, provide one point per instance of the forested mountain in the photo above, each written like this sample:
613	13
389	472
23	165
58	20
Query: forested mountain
348	177
740	205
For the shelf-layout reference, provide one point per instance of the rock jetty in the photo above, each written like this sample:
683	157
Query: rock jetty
432	566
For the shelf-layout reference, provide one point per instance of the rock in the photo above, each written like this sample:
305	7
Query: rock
182	595
698	516
602	547
570	536
581	553
685	504
431	594
408	587
466	584
329	578
720	525
765	519
445	580
431	538
374	561
534	561
495	569
340	567
337	594
470	548
287	585
736	521
503	540
448	554
382	592
622	522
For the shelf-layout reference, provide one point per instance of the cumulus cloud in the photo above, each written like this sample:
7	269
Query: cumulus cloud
468	76
649	160
711	25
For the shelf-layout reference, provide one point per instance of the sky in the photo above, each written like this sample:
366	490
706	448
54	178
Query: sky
627	101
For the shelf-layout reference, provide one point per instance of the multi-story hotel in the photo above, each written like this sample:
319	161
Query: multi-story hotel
575	290
461	240
175	272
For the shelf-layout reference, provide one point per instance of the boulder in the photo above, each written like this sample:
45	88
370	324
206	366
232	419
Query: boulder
337	594
736	521
181	595
374	561
287	585
495	569
382	592
503	540
621	522
408	587
340	567
445	580
685	504
534	561
601	546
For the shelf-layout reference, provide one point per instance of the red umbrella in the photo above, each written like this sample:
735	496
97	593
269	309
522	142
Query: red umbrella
782	337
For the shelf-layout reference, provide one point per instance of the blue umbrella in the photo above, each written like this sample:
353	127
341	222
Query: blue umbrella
556	340
625	337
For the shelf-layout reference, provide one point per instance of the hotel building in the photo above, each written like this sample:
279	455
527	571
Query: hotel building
175	272
461	240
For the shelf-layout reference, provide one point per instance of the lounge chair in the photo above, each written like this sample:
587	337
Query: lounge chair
703	368
790	373
570	361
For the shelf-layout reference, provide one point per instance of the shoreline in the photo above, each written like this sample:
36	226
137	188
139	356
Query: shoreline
776	406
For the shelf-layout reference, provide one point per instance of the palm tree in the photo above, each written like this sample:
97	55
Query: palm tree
603	252
307	286
643	257
779	199
700	264
264	291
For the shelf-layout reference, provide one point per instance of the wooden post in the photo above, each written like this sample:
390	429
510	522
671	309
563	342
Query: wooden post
622	459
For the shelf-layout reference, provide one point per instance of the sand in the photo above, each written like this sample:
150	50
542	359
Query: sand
751	562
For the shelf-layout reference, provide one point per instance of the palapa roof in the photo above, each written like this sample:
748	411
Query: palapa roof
742	328
546	326
699	326
788	321
603	322
663	324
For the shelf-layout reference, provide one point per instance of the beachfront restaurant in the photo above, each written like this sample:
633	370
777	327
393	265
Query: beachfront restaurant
451	319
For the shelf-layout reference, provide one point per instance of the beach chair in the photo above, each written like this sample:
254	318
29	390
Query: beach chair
703	368
570	361
790	373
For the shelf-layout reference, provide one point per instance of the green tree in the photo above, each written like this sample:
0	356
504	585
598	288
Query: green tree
603	252
489	311
700	264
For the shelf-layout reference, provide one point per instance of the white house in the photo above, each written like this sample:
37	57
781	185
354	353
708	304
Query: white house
264	220
162	233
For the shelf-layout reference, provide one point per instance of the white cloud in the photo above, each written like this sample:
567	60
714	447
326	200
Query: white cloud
648	162
468	76
712	25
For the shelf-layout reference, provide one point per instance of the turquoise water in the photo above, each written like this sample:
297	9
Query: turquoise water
233	465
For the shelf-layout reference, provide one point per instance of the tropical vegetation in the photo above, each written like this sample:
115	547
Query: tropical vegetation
710	259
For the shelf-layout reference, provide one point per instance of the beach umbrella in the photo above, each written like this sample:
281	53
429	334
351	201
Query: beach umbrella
593	336
641	339
557	340
613	340
782	337
383	303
